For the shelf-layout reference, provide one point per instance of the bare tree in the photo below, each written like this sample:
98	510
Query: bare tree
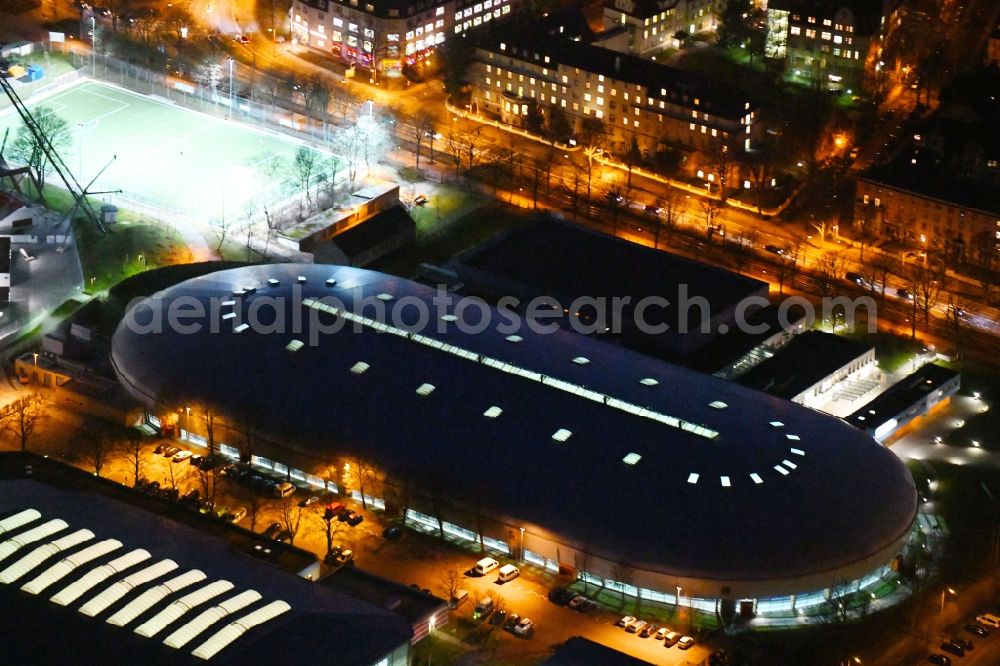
984	255
331	526
22	417
710	208
208	480
96	444
366	474
424	126
30	148
925	282
132	448
866	226
787	266
451	581
249	212
305	168
290	515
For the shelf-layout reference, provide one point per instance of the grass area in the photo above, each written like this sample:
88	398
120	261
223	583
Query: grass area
204	166
410	175
892	351
724	70
130	246
451	222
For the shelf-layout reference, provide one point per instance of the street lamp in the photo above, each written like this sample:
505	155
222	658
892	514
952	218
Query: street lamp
231	88
521	542
949	591
35	354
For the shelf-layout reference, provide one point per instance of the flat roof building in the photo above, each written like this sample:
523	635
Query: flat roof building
530	435
567	262
114	575
906	400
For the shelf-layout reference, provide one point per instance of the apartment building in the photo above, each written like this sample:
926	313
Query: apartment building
652	25
936	199
388	34
521	74
831	44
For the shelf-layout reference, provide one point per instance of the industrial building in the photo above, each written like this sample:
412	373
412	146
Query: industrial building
536	445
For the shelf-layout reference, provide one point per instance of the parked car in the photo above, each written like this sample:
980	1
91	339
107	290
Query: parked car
344	556
483	608
953	647
966	644
856	278
159	449
625	621
170	451
648	631
685	643
512	621
309	501
420	200
561	596
653	209
236	515
661	633
151	488
989	620
191	497
939	660
485	565
197	461
335	508
392	532
498	618
272	528
774	249
581	603
181	456
636	626
525	628
904	293
671	639
976	630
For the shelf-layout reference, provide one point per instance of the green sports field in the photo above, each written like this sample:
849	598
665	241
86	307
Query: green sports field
166	156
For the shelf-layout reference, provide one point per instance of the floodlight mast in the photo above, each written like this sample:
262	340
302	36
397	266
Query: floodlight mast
67	177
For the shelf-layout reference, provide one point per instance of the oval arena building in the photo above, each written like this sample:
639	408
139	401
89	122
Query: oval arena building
549	447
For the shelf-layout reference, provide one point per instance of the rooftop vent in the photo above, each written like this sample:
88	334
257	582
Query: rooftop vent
301	279
561	435
273	282
330	282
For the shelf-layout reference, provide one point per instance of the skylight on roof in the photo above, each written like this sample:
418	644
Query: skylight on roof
777	424
493	412
229	315
781	470
724	480
330	282
384	297
449	318
561	435
359	368
301	279
294	345
756	478
242	327
789	464
581	360
648	381
632	458
692	478
273	282
717	404
513	338
250	289
227	304
792	437
425	389
798	452
238	292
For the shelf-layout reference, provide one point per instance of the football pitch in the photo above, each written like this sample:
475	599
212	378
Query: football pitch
164	155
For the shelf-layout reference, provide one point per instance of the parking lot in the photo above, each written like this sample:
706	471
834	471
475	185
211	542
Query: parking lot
412	558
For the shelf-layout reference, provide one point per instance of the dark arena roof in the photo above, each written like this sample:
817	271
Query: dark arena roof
556	431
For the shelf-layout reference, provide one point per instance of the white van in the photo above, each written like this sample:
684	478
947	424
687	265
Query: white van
485	565
989	620
284	489
507	572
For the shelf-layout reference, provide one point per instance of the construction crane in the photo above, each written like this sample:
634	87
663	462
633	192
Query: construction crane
78	193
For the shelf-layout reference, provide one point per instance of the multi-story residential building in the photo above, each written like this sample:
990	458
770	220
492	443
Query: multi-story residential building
520	75
386	34
652	25
942	193
831	44
993	47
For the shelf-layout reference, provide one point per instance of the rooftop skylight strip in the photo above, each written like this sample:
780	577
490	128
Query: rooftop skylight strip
569	387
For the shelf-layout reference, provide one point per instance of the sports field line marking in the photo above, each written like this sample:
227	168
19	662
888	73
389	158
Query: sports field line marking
272	134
